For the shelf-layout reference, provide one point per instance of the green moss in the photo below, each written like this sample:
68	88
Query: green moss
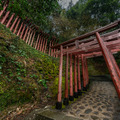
25	73
54	87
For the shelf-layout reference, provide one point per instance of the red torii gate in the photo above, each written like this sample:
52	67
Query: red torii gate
89	45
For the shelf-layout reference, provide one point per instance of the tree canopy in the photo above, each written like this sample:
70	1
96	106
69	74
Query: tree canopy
38	11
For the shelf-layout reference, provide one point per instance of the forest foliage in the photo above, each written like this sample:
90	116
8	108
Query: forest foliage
85	16
37	11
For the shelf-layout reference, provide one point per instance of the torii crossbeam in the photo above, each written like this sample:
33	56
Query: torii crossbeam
104	41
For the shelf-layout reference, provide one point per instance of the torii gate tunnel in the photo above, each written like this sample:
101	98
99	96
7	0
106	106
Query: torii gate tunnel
104	41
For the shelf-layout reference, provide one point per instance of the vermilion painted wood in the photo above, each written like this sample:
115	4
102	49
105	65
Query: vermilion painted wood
60	76
89	40
53	52
32	39
20	29
4	8
112	25
41	42
75	75
14	23
79	80
32	42
38	45
52	49
114	75
46	46
49	48
28	35
24	37
71	77
5	17
43	45
57	55
16	26
92	42
9	21
86	71
92	48
83	70
66	76
37	41
115	64
95	54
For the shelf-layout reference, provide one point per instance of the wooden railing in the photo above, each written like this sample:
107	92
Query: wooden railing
27	31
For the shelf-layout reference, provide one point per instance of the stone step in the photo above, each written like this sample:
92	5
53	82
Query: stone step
49	114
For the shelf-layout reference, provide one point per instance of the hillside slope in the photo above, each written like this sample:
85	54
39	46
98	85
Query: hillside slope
26	75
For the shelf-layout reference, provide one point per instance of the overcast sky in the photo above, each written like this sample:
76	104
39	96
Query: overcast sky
65	3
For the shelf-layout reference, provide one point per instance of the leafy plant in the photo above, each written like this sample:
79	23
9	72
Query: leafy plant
43	82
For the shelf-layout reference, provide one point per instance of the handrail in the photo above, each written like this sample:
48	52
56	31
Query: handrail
109	26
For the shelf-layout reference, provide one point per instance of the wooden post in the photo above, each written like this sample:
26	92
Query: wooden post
28	35
46	45
43	44
5	17
16	26
11	18
79	80
14	23
56	55
75	78
37	41
86	73
39	44
83	72
59	102
52	49
49	48
20	29
66	99
23	32
110	64
32	39
4	8
115	63
53	52
71	98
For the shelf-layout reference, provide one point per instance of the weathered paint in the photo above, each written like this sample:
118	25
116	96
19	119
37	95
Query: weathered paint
16	26
79	80
14	23
83	70
9	21
106	54
5	17
71	77
18	33
75	74
66	76
60	75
